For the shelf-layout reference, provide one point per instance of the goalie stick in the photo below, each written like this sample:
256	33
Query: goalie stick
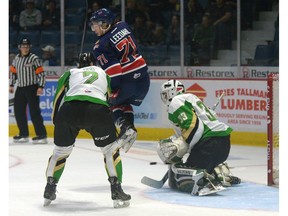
159	183
155	183
218	100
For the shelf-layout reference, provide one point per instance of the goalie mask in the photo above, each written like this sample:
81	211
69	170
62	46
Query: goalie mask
170	89
172	150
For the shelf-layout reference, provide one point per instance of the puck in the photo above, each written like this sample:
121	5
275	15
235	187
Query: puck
153	163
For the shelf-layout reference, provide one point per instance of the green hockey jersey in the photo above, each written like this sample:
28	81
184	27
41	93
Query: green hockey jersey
84	84
193	120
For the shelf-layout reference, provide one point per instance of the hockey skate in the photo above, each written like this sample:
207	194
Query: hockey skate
128	135
120	199
223	173
50	191
205	184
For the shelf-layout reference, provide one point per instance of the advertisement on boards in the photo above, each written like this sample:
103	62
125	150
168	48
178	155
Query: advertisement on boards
249	72
46	102
211	72
168	72
197	72
150	112
246	72
244	106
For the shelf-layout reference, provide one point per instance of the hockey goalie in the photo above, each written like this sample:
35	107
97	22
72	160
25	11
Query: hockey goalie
201	144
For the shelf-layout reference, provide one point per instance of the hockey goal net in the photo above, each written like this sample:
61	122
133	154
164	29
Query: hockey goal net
273	129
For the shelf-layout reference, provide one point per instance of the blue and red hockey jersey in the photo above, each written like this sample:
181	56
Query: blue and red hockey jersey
117	53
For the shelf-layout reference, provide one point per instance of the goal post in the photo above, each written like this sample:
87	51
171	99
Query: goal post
273	129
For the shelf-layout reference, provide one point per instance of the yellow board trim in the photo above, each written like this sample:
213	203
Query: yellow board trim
241	138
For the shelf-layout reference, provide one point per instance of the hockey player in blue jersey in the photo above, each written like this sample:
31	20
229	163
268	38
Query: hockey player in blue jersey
116	52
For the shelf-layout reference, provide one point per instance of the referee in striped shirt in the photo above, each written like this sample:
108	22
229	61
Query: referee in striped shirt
27	70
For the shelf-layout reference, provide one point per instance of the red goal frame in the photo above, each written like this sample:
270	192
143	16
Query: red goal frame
272	78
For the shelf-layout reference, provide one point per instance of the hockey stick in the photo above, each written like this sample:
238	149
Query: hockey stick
155	183
218	100
159	184
84	28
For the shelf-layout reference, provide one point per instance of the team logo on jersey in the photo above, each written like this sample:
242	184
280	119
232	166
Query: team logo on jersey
136	75
96	45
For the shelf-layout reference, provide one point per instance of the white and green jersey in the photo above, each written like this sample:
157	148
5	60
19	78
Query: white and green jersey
83	84
193	120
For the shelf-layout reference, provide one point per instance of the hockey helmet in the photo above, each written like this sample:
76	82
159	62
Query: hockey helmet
103	15
24	41
85	59
170	89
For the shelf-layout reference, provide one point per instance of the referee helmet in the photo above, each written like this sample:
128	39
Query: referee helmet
24	41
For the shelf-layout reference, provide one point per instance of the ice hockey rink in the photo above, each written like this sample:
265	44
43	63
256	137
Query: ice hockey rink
84	189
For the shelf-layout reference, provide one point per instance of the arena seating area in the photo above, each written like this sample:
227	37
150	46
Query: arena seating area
78	32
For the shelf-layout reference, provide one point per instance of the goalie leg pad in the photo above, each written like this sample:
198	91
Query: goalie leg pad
195	181
181	182
186	179
171	178
185	183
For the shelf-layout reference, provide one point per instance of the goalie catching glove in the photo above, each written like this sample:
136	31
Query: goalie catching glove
172	149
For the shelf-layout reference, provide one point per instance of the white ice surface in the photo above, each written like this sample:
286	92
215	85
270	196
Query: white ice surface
84	190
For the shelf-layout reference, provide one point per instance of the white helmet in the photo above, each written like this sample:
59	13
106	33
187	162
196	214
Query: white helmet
170	89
